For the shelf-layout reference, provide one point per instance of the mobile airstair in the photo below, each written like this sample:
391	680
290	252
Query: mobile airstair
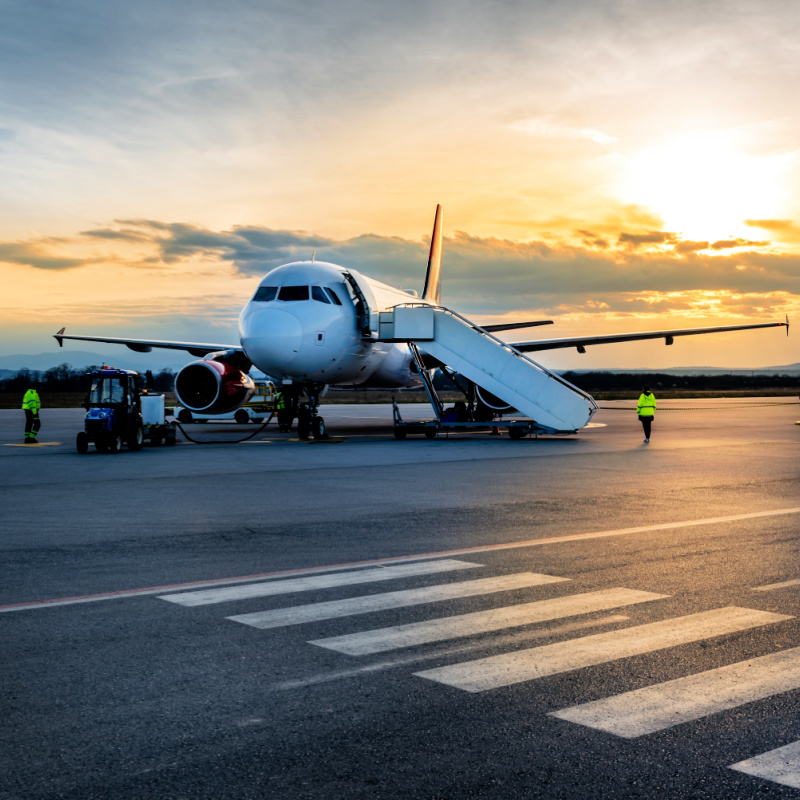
548	404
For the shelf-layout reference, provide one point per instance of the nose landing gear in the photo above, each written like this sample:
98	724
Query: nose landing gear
309	423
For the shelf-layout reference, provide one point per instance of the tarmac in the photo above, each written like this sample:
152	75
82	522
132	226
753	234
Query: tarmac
463	617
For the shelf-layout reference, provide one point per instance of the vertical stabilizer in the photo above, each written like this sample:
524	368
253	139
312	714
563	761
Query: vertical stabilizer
432	290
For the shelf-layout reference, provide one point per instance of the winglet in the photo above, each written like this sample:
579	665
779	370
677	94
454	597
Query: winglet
787	324
59	338
432	290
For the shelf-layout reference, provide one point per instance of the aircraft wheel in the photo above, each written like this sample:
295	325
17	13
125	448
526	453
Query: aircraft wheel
136	439
303	425
114	443
241	416
82	443
318	428
516	432
184	416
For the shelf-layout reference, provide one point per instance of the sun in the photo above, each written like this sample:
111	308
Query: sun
704	187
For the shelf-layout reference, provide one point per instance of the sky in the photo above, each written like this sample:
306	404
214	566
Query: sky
612	165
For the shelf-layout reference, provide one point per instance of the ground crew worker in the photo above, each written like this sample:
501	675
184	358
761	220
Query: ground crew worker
31	405
280	408
646	409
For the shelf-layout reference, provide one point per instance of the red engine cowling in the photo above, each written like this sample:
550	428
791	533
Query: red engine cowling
213	387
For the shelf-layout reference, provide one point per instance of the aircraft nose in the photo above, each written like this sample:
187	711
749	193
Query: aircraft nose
272	338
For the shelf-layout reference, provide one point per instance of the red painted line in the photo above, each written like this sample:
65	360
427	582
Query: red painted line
90	598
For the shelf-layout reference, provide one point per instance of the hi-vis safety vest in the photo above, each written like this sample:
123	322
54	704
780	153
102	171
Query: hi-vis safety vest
31	401
280	403
646	407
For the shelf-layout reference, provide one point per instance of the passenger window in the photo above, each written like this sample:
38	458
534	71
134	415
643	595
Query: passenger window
265	293
292	293
333	295
318	294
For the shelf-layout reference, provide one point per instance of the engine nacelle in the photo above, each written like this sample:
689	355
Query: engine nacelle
213	387
492	401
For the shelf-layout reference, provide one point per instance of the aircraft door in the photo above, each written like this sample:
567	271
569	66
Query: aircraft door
364	300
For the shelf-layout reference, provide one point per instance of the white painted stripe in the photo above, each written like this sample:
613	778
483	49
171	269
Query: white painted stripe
512	639
551	659
780	766
655	708
438	630
463	551
312	612
768	587
313	582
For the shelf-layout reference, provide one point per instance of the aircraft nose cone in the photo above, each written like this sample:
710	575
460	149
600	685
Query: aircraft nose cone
272	339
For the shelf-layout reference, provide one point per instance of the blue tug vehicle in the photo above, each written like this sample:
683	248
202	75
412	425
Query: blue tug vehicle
119	411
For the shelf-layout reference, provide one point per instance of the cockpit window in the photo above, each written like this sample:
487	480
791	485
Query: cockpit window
265	293
291	293
333	295
318	294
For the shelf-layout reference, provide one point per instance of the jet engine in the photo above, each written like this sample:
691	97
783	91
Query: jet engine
213	387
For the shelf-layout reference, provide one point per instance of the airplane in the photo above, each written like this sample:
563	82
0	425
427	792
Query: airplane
312	324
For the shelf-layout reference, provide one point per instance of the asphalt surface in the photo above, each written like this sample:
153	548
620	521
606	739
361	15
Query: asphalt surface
124	676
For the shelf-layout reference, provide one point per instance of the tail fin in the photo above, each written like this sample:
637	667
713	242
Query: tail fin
432	290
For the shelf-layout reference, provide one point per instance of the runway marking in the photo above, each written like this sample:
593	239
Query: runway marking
122	593
31	446
497	641
527	665
291	585
780	766
768	587
351	606
438	630
665	705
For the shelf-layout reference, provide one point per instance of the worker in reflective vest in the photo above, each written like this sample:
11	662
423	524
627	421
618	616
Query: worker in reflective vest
280	408
646	409
31	405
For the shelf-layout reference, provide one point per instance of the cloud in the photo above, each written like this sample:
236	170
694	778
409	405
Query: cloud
481	274
547	129
653	237
783	230
690	247
729	244
32	254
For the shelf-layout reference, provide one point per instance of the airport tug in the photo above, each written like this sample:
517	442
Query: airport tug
119	411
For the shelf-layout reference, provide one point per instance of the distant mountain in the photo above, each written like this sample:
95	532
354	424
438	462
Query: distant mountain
78	359
169	360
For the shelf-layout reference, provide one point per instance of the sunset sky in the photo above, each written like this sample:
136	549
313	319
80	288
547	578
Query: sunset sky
612	166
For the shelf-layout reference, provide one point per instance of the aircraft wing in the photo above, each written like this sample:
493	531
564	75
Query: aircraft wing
512	326
146	345
582	342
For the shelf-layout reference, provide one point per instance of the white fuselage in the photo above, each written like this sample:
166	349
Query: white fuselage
302	326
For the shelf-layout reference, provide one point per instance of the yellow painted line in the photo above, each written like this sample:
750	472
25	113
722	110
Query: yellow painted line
36	444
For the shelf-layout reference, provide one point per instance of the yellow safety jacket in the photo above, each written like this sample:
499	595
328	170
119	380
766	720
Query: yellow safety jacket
280	403
646	407
31	401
